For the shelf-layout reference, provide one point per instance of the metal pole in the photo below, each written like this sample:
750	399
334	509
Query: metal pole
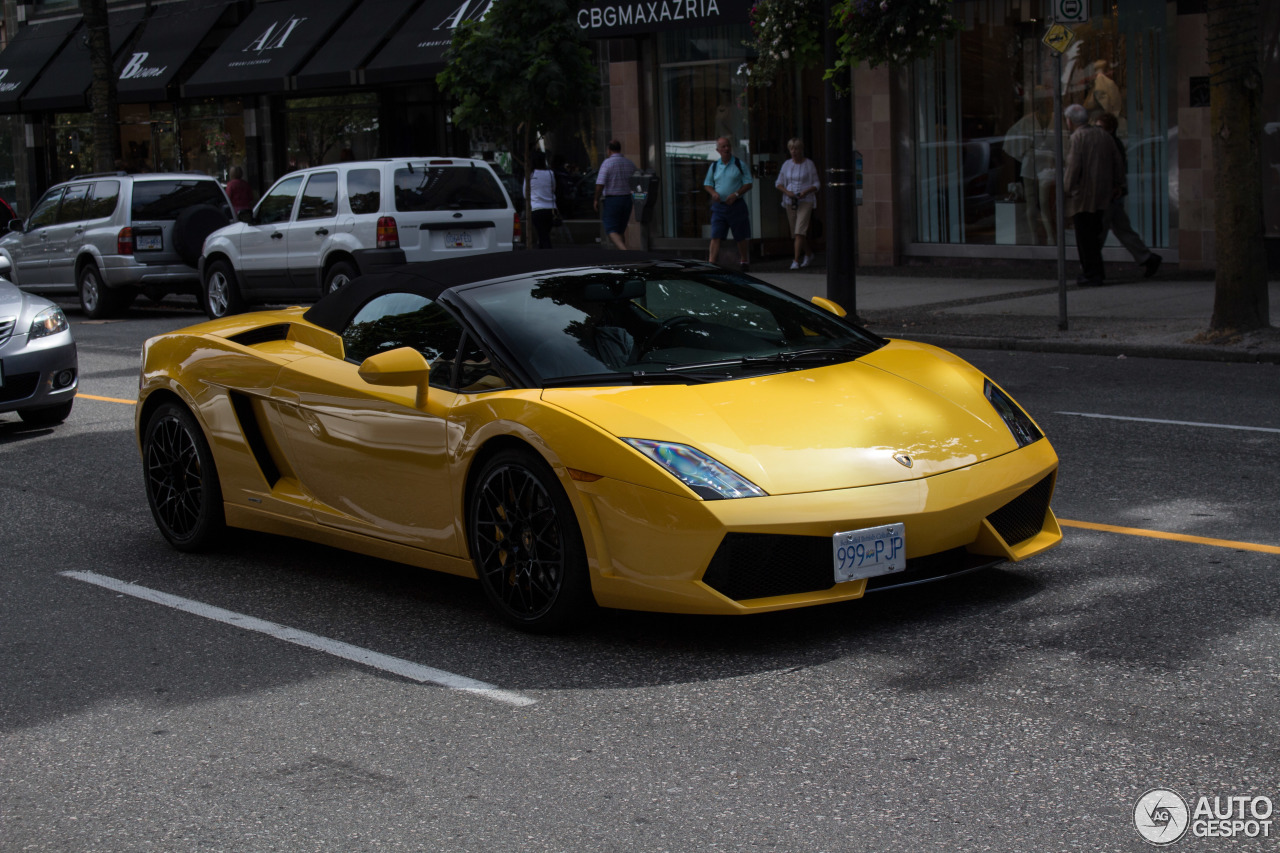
842	230
1060	202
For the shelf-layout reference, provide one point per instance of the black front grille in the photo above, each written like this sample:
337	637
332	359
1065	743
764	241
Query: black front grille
1023	517
19	386
758	565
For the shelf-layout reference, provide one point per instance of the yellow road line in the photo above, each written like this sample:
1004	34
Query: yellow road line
105	399
1176	537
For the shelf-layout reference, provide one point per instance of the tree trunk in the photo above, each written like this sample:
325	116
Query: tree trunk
1240	300
102	91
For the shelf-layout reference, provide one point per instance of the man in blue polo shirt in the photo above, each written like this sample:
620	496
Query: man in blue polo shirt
728	180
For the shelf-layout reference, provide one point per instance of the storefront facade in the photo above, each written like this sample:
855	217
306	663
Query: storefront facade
957	152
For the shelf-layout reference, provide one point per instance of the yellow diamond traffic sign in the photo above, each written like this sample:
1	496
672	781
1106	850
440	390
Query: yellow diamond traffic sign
1059	38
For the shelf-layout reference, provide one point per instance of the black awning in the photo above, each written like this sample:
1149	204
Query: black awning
417	50
169	37
351	46
66	81
27	55
268	48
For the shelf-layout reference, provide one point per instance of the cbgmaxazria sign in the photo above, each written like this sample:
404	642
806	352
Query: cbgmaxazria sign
616	19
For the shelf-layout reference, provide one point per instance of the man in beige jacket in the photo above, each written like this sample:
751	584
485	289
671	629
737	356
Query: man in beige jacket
1094	175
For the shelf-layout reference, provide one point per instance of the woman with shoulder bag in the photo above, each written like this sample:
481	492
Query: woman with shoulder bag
798	181
542	199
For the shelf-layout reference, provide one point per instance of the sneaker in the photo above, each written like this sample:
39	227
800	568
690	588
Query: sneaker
808	259
795	265
1150	265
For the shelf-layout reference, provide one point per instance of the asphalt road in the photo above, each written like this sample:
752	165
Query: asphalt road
1023	709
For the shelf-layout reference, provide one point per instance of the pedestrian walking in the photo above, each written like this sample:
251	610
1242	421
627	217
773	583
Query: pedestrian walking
798	181
728	180
542	199
1094	174
613	184
1117	216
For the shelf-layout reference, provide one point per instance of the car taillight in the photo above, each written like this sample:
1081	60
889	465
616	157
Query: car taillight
516	236
388	233
124	241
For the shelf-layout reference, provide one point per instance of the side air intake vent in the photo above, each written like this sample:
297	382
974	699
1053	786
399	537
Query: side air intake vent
252	430
266	334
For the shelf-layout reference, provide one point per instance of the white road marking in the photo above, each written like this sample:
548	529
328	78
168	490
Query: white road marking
398	666
1176	423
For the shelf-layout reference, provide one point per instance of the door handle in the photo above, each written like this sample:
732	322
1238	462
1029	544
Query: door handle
321	232
277	236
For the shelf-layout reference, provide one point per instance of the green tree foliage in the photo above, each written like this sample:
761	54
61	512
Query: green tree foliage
523	67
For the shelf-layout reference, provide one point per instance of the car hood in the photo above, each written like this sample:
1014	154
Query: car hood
833	427
18	303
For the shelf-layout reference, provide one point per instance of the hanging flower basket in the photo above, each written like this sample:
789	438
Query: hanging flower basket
784	32
878	32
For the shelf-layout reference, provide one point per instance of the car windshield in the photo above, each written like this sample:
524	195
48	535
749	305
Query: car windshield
660	324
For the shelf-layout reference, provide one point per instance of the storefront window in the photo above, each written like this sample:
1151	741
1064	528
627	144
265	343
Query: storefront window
702	98
72	145
148	139
211	136
985	148
331	129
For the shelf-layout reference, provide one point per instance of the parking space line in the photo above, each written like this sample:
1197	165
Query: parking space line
1176	537
377	660
105	399
1174	423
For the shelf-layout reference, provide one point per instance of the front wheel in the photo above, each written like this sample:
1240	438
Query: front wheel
181	479
526	545
98	301
221	291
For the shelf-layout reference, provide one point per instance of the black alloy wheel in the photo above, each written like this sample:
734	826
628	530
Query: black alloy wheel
526	544
182	482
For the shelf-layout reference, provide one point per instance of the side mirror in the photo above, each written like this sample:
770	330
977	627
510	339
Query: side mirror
245	216
827	305
16	226
398	367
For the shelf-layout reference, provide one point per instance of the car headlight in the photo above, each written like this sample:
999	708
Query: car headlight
1024	430
50	321
707	477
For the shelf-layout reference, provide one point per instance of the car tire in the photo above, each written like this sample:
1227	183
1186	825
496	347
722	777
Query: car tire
181	479
192	226
338	276
47	416
221	291
97	301
526	545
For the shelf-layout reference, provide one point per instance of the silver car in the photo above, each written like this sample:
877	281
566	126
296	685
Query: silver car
108	237
38	367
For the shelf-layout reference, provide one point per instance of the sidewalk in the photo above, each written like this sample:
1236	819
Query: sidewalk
1166	316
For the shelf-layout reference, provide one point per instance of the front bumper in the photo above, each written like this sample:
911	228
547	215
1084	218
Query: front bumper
650	550
30	369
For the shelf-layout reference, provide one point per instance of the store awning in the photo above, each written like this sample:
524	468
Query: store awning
65	83
268	48
27	55
417	50
169	37
350	47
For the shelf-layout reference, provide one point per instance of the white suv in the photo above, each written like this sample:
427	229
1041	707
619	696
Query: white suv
318	228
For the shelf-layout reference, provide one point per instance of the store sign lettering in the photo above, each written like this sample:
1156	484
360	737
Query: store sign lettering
271	39
7	87
460	14
634	14
135	70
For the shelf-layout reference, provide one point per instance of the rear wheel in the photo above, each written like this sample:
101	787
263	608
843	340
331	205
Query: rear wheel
338	277
526	544
181	479
96	299
221	291
48	416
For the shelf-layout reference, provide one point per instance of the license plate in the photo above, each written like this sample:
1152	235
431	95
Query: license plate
148	242
457	239
869	552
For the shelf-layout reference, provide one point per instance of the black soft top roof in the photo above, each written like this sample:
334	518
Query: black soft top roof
431	278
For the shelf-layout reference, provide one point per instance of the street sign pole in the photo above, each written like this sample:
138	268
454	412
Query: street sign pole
1060	202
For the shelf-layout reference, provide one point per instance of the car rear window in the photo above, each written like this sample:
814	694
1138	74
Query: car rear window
166	199
448	188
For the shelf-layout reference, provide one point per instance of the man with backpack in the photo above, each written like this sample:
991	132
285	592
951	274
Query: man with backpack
728	180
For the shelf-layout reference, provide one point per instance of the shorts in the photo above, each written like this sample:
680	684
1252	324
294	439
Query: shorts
615	211
799	218
726	217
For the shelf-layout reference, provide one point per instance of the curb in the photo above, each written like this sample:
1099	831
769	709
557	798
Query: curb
1186	352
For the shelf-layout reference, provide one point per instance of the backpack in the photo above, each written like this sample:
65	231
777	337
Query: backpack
715	165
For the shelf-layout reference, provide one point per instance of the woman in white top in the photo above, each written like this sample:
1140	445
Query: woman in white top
798	181
542	199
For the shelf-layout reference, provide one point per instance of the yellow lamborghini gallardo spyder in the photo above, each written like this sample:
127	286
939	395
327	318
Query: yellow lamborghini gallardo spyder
586	428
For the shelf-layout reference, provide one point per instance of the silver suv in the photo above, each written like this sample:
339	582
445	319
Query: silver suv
318	228
108	237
